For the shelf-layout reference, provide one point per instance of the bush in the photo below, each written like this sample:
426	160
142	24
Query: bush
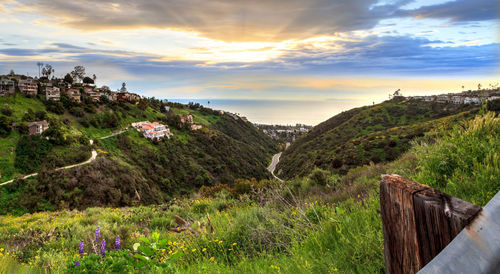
465	163
5	127
31	151
319	176
7	111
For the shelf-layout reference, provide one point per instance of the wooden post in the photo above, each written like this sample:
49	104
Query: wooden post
418	222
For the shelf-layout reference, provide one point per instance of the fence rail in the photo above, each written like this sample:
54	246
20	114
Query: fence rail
418	222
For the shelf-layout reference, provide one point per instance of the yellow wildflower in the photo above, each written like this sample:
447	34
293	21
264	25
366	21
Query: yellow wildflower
194	249
234	244
212	259
204	249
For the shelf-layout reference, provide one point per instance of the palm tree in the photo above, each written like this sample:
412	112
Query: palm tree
39	64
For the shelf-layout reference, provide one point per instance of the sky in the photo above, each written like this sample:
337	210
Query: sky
355	51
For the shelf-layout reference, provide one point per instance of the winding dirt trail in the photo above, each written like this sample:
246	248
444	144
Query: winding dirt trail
90	160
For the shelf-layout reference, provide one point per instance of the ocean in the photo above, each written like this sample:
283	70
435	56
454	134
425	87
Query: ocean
278	112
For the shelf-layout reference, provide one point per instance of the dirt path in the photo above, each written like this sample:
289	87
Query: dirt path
90	160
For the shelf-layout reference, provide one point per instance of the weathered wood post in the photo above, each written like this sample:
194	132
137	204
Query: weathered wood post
418	222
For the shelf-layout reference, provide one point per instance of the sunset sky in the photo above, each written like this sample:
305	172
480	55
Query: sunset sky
356	50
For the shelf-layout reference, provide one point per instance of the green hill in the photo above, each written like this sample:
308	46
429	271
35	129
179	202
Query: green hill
369	134
129	169
324	223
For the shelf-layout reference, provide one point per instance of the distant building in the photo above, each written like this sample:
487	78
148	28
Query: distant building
442	98
187	119
127	96
196	127
88	89
37	128
28	87
152	130
167	108
7	87
74	94
110	95
472	100
457	99
52	93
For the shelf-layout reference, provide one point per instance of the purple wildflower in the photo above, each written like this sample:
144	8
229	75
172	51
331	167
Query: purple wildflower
98	235
82	248
77	263
117	243
103	248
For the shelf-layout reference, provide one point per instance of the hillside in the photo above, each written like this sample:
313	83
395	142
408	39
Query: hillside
367	134
323	223
129	169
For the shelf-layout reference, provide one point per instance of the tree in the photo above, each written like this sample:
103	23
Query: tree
88	80
47	71
40	65
12	73
78	73
143	104
94	77
124	88
4	127
68	79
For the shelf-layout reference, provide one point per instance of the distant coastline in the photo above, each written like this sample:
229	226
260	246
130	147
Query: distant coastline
282	112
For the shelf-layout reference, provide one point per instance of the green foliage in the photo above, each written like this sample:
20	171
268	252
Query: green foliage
465	161
365	135
7	111
31	150
5	127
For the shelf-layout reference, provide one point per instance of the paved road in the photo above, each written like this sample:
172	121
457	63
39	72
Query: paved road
274	163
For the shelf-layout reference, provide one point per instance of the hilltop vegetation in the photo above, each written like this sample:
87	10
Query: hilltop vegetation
369	134
323	223
130	169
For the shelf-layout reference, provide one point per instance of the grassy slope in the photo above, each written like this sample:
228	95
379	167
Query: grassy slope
221	152
298	227
363	135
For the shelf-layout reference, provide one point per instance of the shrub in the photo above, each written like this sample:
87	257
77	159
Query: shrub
319	176
7	111
465	163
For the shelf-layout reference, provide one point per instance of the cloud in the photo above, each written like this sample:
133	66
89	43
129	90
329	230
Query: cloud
226	20
458	11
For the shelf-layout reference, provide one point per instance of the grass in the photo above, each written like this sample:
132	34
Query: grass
20	105
324	223
7	155
198	117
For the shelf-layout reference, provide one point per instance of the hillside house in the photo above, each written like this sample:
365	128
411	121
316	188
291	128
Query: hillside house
7	87
127	96
472	100
74	94
442	98
110	95
457	100
196	127
153	130
88	89
187	119
52	93
37	128
28	87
